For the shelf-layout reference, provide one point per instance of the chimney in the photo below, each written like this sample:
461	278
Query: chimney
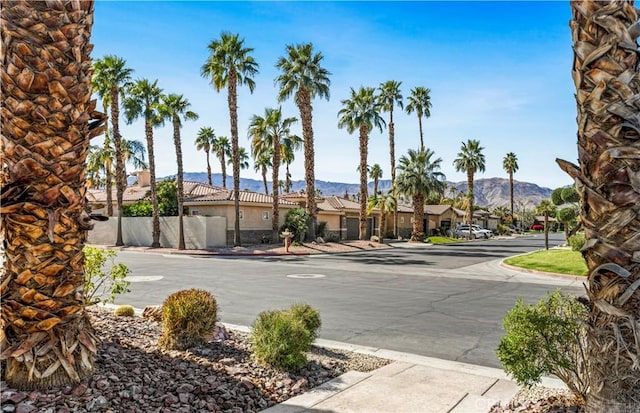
144	178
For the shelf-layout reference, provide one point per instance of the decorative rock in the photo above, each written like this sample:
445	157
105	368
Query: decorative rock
79	390
25	407
220	332
227	361
185	397
17	397
185	388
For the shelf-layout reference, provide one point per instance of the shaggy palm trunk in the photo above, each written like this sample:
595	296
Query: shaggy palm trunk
546	230
511	194
178	144
383	222
364	140
107	165
303	100
275	179
470	173
117	144
287	182
47	121
418	218
605	72
232	99
376	181
392	158
155	229
208	168
263	171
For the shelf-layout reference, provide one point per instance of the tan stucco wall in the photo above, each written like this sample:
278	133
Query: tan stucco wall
251	215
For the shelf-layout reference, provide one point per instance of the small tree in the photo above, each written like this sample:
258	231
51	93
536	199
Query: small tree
102	284
297	221
568	215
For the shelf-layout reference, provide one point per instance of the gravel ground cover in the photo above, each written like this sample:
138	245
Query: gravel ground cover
134	375
538	399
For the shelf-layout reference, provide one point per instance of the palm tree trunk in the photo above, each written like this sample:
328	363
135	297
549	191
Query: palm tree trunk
117	144
303	100
511	192
223	167
107	166
45	335
364	139
264	179
608	131
233	115
178	144
392	158
421	137
209	169
546	230
375	185
383	222
287	182
155	230
418	218
470	197
275	178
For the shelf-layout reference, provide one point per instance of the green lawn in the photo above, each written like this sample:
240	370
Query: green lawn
443	240
558	261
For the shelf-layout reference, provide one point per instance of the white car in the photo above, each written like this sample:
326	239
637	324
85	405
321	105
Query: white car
476	232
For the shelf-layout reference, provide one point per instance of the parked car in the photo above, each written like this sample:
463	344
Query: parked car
515	230
476	232
537	227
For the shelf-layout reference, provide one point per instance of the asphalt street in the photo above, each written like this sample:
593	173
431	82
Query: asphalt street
439	301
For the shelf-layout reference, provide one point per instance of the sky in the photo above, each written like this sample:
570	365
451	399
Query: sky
499	72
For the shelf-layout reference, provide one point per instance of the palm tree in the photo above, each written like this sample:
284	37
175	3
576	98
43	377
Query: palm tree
361	113
420	102
230	64
262	161
470	160
46	341
107	156
608	174
385	203
222	148
375	173
290	145
204	142
547	209
112	74
270	134
142	100
419	177
303	76
510	165
176	108
390	96
133	151
243	158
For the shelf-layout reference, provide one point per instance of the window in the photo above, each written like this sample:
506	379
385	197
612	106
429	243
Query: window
265	216
241	214
195	212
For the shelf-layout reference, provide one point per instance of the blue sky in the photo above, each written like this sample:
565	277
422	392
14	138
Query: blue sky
499	72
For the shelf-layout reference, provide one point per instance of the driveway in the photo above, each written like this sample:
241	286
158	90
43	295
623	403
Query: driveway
439	301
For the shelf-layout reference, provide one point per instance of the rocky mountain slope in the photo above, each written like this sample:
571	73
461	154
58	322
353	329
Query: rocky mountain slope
489	192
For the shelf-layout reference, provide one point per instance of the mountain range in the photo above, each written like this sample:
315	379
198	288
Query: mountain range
489	192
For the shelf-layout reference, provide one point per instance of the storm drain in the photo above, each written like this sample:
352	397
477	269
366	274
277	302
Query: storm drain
306	276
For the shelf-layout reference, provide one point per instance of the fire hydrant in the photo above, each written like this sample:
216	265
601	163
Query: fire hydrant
286	235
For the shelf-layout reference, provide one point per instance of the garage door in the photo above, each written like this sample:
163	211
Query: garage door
353	228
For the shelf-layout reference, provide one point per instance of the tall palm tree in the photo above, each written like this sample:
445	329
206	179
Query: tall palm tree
95	167
303	76
107	155
243	158
230	64
608	173
385	203
361	113
142	100
45	334
375	173
269	134
133	152
176	107
204	142
111	72
222	148
470	160
262	162
510	165
100	159
290	145
547	209
419	177
390	96
420	102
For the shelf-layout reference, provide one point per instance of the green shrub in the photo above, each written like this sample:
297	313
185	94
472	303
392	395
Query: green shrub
309	316
188	319
124	311
321	228
502	229
546	338
576	242
102	286
296	221
281	338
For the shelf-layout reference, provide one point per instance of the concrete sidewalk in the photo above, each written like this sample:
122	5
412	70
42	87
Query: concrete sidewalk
411	384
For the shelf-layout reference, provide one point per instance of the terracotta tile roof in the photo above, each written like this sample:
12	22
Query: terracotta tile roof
436	209
405	208
220	195
336	203
131	194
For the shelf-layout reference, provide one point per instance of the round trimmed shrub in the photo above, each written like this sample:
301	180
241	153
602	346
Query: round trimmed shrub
188	319
124	311
309	316
576	242
280	339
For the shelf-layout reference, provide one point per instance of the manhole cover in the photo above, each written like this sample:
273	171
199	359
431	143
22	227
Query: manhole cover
143	278
306	276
